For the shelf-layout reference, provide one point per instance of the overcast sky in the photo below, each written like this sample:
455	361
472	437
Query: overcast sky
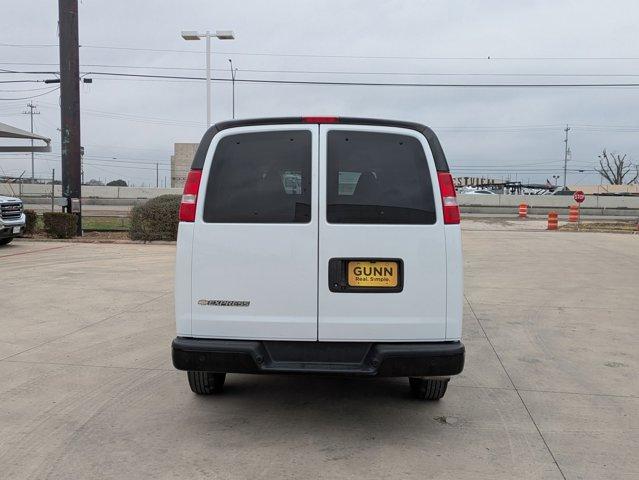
130	124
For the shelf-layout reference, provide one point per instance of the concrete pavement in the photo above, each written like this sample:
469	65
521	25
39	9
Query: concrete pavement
550	388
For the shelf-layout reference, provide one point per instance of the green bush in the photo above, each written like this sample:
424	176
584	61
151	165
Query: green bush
157	219
59	225
32	220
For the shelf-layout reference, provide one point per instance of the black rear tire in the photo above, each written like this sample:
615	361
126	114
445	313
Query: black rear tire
206	383
428	389
4	241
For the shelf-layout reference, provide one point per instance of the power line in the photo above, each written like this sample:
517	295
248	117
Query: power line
444	128
341	72
129	166
20	81
149	164
312	55
519	170
481	128
28	45
31	96
373	84
26	89
360	84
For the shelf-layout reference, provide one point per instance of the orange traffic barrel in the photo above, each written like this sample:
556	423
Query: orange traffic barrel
523	210
552	221
573	213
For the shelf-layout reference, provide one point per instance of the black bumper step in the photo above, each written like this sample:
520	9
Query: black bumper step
337	358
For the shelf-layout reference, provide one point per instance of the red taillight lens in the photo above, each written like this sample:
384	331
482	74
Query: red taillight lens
320	119
189	196
449	198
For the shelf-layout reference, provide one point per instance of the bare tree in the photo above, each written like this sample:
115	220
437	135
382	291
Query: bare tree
615	168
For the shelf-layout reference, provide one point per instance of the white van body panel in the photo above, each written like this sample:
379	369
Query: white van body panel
271	265
183	258
418	313
454	282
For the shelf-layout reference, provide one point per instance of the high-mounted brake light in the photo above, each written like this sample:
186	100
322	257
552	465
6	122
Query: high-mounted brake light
320	119
449	198
188	204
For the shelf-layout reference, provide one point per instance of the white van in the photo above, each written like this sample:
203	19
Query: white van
319	245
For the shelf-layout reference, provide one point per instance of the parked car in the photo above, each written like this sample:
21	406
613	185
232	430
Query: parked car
320	246
12	219
479	192
562	191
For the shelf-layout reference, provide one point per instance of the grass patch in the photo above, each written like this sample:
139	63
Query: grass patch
106	223
120	224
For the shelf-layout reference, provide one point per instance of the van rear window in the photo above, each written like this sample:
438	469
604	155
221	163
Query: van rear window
260	177
378	178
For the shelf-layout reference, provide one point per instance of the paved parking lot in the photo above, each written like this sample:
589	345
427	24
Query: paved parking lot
550	388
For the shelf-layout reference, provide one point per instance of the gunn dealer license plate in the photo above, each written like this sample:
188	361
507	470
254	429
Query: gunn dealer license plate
373	274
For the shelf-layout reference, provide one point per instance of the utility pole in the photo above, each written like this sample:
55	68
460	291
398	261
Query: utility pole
566	152
157	175
70	107
32	112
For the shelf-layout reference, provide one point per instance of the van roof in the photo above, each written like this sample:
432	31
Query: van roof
438	153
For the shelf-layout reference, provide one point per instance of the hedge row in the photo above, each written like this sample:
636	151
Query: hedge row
157	219
59	224
32	222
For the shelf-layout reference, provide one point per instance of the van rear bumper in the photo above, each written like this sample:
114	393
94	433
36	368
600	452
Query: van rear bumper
336	358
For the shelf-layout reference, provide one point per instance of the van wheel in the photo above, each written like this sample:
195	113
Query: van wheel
4	241
206	383
427	389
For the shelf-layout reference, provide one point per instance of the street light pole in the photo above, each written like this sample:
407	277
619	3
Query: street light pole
221	35
566	152
208	79
233	72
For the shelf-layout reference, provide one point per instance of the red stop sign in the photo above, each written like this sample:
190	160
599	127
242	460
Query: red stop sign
579	196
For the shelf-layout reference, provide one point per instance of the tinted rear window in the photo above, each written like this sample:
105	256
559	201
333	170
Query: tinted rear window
260	178
378	178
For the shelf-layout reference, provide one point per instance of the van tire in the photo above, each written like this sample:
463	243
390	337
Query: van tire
206	383
5	241
428	389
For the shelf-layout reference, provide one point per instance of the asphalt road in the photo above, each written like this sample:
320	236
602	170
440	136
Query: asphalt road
550	388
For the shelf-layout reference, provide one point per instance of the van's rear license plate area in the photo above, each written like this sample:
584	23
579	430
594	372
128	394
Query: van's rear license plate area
370	275
373	274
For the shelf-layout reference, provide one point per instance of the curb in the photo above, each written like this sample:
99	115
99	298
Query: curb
95	240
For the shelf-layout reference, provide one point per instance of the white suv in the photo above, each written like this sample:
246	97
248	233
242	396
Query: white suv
319	245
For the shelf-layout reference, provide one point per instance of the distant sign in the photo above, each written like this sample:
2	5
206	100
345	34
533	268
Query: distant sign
579	196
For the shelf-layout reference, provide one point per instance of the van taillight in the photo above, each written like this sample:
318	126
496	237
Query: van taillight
449	198
189	196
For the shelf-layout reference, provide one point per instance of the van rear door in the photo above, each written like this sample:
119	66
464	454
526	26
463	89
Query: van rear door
254	272
382	251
